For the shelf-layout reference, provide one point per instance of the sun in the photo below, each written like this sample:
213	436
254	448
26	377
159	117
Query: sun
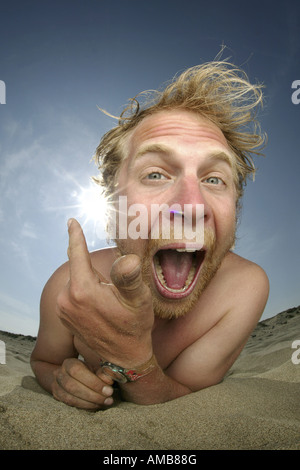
91	203
91	208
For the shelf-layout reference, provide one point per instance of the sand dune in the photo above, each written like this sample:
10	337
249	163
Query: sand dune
257	406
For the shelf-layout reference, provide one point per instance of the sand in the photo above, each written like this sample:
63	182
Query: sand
257	406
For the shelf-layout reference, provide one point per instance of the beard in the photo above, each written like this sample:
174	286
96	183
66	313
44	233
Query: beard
165	308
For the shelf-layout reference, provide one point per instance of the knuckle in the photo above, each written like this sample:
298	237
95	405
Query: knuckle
71	387
68	298
77	293
74	367
67	383
63	302
60	379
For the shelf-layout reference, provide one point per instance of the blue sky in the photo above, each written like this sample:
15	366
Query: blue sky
60	60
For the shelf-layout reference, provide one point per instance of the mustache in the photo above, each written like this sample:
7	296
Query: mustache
154	245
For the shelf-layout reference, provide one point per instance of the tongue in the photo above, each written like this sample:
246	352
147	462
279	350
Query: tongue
175	267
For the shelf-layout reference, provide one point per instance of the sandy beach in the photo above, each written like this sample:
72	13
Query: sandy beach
257	406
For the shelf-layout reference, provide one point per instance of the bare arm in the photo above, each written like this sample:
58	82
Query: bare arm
54	358
54	342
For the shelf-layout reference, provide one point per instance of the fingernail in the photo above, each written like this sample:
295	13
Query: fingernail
69	223
108	401
107	390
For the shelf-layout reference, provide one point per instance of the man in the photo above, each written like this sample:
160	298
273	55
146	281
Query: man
160	317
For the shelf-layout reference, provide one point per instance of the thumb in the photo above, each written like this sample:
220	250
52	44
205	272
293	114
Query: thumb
126	274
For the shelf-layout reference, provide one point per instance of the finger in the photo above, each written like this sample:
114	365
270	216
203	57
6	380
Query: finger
79	257
62	395
105	378
89	388
77	370
126	274
76	394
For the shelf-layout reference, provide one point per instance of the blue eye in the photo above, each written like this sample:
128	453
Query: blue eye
155	176
214	180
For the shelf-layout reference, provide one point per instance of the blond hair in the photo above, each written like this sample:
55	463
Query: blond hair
218	91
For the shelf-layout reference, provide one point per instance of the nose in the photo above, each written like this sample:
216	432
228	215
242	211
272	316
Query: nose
189	199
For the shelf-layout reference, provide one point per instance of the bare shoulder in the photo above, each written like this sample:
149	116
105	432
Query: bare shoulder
244	271
246	283
102	261
238	292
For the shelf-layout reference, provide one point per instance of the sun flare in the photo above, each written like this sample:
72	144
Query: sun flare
91	204
91	208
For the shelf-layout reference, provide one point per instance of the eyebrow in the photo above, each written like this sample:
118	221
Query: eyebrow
163	149
224	157
152	148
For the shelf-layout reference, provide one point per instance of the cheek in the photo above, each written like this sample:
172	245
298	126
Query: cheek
226	219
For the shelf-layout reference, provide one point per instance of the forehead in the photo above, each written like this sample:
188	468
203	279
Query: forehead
186	125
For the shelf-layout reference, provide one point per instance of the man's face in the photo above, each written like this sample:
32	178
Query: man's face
178	157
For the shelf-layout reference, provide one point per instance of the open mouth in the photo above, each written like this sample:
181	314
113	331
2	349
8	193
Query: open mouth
176	270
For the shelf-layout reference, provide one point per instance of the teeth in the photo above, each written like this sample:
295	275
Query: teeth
163	281
186	250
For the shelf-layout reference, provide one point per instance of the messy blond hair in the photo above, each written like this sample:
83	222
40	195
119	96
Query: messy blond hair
218	91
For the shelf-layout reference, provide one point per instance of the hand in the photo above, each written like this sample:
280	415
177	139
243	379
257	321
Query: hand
75	385
114	320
